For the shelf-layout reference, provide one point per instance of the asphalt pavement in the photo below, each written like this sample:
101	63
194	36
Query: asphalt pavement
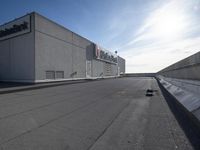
111	114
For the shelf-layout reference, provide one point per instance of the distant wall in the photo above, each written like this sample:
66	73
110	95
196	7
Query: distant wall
139	75
122	64
182	80
188	68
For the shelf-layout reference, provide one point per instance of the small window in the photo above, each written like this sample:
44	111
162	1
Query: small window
50	74
59	74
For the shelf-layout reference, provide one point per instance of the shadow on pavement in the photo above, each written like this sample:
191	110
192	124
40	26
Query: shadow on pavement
4	85
192	131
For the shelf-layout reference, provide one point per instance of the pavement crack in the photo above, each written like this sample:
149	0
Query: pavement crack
109	125
52	120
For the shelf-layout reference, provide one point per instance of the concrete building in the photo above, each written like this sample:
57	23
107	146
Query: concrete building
36	49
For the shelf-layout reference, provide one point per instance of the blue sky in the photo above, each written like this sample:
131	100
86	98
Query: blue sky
149	34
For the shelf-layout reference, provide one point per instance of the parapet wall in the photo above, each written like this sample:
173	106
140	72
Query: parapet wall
139	75
182	80
188	68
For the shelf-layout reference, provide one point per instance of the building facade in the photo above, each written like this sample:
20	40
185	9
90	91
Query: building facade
36	49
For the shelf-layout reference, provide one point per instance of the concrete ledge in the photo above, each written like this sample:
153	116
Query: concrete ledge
37	86
188	68
46	84
192	86
139	75
188	99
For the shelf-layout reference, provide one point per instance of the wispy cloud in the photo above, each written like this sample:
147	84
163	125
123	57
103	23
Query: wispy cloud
156	57
169	34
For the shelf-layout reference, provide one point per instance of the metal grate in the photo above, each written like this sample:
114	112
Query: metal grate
59	74
50	74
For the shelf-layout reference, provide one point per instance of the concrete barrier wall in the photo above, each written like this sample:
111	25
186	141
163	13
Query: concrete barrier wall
188	68
139	75
186	92
182	80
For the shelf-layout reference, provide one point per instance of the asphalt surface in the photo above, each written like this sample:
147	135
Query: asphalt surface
112	114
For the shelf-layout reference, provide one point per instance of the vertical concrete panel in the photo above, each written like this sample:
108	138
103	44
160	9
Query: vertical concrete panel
17	57
97	68
188	68
114	69
52	54
121	64
5	60
80	41
90	52
22	57
51	28
107	69
53	48
78	62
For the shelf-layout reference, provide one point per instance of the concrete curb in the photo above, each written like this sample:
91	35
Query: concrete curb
39	86
185	99
46	85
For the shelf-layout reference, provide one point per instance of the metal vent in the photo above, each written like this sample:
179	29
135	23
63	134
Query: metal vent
59	74
50	74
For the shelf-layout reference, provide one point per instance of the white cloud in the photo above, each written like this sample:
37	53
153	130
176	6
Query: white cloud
159	42
155	58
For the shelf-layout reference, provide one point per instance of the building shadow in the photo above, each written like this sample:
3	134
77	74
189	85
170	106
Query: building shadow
186	122
4	85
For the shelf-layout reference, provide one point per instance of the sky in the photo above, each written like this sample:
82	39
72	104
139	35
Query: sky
149	34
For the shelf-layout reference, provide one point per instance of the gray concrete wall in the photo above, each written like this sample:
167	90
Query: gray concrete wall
103	69
50	47
188	68
97	68
122	64
17	57
59	49
182	80
114	70
186	93
139	75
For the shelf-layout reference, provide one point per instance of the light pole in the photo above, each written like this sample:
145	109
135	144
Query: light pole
117	64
